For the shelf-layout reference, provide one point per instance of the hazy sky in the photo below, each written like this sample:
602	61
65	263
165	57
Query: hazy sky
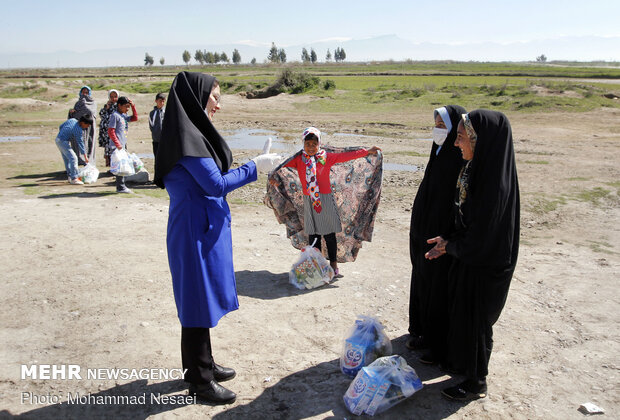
52	25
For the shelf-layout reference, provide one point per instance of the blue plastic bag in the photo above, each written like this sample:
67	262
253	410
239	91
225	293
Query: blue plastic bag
365	343
381	385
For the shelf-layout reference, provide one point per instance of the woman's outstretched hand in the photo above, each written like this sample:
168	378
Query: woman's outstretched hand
373	150
438	250
266	163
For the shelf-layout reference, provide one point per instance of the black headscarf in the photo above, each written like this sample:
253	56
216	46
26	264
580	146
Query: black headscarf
187	131
432	207
488	228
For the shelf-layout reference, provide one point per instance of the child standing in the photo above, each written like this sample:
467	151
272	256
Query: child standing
156	119
105	113
117	131
321	218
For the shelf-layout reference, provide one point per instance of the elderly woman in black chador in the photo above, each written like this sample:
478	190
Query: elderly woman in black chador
431	215
484	244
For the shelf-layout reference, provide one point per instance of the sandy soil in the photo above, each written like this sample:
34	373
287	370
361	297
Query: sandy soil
85	280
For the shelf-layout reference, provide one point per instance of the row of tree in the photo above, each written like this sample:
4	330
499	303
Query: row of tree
149	60
276	55
212	57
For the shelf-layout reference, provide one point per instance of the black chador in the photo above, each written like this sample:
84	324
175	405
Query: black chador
484	243
431	216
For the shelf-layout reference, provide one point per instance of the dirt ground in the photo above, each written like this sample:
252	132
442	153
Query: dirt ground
85	278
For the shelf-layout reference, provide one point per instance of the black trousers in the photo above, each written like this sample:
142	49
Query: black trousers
155	147
332	245
197	355
120	183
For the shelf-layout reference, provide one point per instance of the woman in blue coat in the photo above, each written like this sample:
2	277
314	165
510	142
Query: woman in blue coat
193	164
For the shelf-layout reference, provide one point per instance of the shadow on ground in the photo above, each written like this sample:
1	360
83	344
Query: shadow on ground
319	390
315	391
267	285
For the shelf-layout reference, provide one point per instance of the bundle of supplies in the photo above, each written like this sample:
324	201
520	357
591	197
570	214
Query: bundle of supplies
311	269
88	174
366	342
121	164
137	162
381	385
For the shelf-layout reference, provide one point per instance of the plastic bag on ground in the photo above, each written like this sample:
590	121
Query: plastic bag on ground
381	385
311	269
365	343
121	164
88	174
137	162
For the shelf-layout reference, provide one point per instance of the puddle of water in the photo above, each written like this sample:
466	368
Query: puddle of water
16	138
400	167
254	139
369	137
366	136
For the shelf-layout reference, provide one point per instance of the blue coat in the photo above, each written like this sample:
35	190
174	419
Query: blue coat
199	239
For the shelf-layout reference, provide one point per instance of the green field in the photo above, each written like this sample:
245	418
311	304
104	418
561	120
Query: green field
364	87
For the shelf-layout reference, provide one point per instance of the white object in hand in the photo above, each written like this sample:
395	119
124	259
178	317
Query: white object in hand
267	146
267	162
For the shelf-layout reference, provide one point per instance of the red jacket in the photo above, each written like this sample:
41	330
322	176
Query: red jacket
322	171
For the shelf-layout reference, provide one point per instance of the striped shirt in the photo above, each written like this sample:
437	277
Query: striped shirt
71	129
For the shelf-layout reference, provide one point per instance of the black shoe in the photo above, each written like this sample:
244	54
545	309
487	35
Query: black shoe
466	391
222	374
212	393
415	342
427	359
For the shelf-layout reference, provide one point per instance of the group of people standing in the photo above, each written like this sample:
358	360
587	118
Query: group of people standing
464	235
75	139
464	231
464	242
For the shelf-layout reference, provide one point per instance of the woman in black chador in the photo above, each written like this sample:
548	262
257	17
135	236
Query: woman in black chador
484	244
431	216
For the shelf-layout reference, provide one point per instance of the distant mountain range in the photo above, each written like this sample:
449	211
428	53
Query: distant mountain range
388	47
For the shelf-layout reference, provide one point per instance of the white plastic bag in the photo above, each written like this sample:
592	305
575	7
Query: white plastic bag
89	173
137	163
381	385
365	343
121	164
311	269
